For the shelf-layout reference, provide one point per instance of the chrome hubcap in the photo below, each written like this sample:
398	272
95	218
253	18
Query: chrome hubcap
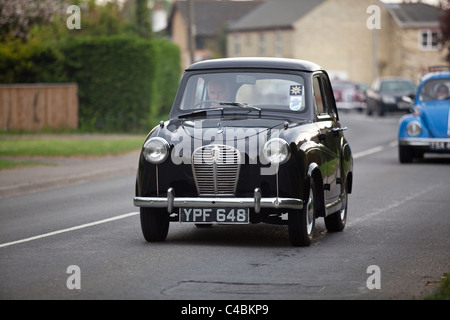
310	212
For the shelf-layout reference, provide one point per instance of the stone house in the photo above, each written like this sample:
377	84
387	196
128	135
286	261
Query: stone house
354	39
211	19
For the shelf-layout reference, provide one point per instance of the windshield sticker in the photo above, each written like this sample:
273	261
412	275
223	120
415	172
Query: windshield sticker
296	97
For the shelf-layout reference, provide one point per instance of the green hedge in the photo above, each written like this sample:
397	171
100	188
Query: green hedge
30	62
168	72
124	83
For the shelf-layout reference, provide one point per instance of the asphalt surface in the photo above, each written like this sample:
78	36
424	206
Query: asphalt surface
83	216
62	171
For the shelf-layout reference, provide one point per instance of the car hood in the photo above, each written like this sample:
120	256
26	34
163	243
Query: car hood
435	115
236	129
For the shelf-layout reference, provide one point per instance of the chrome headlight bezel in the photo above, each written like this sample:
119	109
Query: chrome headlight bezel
156	150
276	151
414	128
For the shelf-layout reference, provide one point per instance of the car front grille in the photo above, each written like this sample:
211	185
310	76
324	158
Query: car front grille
216	170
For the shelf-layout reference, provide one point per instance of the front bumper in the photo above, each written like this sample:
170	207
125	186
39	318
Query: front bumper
441	144
257	202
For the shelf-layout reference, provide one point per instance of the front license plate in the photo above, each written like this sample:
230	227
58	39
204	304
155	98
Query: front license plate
215	215
440	146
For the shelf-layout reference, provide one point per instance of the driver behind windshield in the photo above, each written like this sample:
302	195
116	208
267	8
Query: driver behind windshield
442	92
219	91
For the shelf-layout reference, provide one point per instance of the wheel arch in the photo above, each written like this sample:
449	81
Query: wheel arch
315	174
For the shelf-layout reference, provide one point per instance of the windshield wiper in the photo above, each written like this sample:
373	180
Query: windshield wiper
241	105
199	112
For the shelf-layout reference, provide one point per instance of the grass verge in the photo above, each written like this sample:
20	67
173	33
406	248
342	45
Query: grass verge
63	146
443	291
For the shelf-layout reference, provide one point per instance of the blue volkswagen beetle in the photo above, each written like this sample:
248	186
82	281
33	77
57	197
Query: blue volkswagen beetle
427	129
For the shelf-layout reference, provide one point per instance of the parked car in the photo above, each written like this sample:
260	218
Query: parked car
385	95
349	95
427	129
248	140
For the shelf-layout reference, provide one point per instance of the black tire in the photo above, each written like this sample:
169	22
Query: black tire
336	222
154	224
301	222
203	225
381	110
405	154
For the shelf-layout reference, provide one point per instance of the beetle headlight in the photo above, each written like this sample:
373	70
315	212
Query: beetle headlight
155	150
276	151
414	128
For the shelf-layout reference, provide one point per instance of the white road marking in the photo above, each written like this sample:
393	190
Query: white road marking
82	226
373	150
126	215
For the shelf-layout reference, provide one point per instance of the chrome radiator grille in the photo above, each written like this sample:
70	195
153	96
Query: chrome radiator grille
216	170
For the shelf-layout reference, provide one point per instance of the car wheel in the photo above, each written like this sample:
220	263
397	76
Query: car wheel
369	109
405	154
301	222
336	222
154	224
381	110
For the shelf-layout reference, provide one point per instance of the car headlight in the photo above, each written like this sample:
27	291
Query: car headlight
155	150
276	151
414	128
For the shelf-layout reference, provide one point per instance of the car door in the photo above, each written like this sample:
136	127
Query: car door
329	136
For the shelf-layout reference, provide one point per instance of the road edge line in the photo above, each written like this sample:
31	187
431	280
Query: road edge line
82	226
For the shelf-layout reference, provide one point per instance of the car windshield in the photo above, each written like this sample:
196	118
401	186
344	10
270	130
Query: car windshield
252	90
393	86
436	89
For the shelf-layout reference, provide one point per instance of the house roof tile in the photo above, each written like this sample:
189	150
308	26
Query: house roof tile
275	14
410	15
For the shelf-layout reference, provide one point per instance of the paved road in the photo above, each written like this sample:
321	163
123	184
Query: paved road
398	222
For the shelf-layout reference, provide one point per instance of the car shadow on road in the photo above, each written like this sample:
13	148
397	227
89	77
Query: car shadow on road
433	159
253	235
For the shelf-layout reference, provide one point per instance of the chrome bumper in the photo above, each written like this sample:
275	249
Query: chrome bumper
257	202
422	142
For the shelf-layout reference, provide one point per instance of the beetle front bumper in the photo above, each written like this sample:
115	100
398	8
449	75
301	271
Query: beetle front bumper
432	144
257	202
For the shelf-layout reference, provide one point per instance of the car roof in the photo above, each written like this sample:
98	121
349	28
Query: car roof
435	75
255	63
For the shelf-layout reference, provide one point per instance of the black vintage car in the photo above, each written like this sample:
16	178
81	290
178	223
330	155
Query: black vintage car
248	140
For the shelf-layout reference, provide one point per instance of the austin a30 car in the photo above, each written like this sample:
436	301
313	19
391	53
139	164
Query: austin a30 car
248	140
427	129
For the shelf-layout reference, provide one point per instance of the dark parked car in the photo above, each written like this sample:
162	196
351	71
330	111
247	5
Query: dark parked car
349	95
385	95
248	140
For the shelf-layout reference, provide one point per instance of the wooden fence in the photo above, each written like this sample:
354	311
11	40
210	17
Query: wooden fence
33	107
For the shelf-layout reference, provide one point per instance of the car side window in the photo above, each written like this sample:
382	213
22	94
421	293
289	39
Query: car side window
319	105
328	96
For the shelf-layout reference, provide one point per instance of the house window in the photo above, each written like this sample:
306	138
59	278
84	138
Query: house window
237	45
278	44
262	44
429	40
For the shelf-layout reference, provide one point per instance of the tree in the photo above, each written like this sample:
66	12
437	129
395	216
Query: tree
143	18
18	17
445	27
